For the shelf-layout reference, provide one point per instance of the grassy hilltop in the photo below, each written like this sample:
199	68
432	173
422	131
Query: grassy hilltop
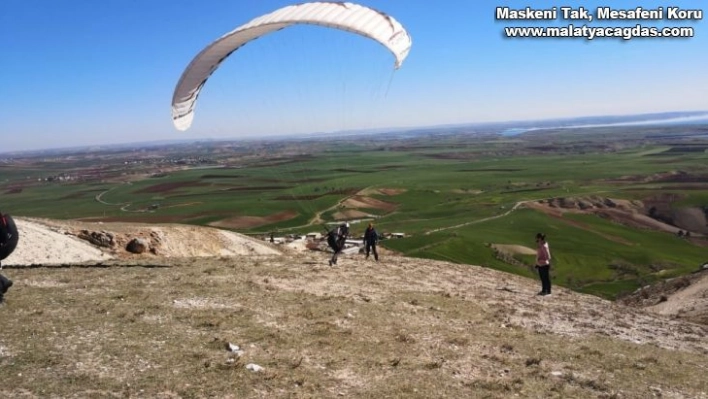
403	328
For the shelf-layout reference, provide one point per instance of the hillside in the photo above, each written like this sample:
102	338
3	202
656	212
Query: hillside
683	297
90	322
52	242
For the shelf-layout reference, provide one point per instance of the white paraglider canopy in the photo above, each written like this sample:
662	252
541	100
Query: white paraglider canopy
349	17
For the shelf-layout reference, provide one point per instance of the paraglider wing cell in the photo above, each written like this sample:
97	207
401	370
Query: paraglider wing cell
344	16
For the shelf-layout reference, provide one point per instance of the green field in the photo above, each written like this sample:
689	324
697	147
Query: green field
442	182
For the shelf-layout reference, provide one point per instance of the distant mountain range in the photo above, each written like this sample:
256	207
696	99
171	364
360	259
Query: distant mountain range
516	127
507	128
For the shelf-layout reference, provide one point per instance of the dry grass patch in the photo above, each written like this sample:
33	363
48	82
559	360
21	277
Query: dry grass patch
400	328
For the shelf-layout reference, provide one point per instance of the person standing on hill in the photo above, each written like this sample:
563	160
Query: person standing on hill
371	237
543	263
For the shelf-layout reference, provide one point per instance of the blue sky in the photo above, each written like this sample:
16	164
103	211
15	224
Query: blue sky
84	72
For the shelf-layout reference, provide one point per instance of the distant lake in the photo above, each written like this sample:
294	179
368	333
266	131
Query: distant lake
691	120
516	131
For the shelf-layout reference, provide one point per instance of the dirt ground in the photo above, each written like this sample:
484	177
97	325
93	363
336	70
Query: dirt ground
52	242
58	242
382	191
401	327
690	302
245	222
359	201
349	214
684	297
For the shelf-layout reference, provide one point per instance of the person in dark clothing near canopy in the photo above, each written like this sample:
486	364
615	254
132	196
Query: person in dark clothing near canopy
8	241
371	237
336	239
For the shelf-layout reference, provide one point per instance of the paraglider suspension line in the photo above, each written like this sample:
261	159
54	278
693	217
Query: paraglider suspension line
390	79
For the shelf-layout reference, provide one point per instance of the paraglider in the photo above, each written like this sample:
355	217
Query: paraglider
349	17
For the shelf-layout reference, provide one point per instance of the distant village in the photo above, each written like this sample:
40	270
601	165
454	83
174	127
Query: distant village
117	169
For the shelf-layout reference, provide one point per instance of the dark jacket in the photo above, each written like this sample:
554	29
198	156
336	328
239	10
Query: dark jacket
332	240
371	236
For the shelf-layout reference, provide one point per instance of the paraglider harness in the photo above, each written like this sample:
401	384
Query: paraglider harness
8	241
8	235
336	237
332	240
